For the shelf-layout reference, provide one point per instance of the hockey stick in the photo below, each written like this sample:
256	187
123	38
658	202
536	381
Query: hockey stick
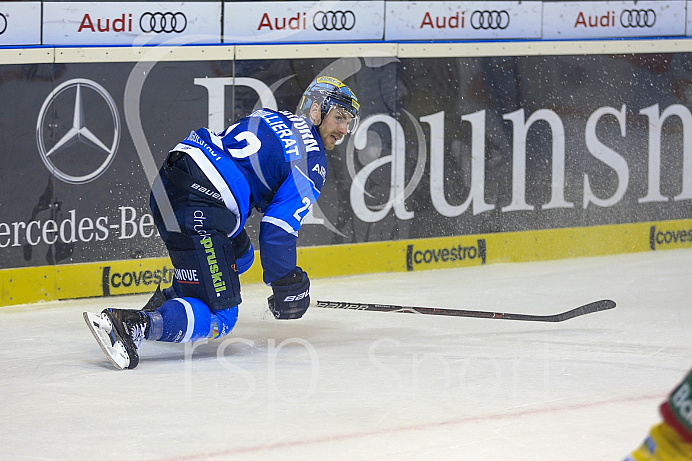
602	305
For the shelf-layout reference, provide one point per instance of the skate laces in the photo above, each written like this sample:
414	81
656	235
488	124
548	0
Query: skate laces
136	329
134	324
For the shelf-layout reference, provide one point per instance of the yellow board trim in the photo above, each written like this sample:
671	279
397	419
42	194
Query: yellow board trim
48	283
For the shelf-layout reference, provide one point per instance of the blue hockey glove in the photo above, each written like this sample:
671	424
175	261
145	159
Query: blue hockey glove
291	296
245	261
244	251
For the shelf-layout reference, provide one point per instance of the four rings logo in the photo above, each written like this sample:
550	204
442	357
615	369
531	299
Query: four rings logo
3	23
83	148
334	20
163	22
490	19
637	18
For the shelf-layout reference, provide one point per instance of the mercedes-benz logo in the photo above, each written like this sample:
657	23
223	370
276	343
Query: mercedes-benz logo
76	139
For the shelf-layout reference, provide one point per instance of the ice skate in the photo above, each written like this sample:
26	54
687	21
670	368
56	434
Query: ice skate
157	299
119	332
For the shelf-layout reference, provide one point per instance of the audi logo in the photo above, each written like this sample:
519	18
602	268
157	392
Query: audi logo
3	23
334	20
637	18
490	19
163	22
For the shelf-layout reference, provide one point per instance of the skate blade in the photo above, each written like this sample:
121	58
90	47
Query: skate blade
101	328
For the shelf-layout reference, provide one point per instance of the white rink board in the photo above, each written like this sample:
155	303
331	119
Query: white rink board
131	23
463	20
20	23
626	19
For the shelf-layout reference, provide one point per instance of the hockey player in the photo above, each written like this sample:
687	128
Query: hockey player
670	440
271	161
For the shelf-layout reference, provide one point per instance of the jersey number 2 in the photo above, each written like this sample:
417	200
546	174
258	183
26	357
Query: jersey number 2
306	206
253	144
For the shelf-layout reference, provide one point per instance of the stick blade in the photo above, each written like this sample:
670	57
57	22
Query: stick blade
596	306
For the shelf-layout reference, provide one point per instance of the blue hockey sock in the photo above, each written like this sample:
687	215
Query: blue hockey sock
182	320
223	321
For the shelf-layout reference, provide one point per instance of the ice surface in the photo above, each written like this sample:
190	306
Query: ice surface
351	385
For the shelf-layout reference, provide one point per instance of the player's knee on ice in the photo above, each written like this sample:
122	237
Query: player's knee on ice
183	320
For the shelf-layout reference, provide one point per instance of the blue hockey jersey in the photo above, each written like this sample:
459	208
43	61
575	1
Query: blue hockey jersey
273	162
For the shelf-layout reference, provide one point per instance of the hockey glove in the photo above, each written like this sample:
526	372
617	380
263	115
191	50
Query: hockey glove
670	440
677	410
244	251
291	296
